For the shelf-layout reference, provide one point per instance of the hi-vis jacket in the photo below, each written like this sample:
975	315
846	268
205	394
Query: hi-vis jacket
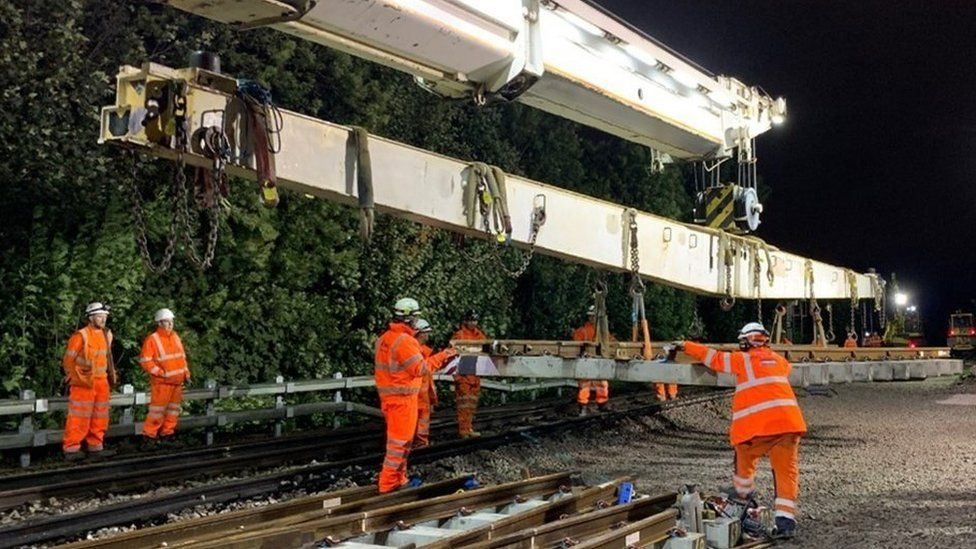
764	403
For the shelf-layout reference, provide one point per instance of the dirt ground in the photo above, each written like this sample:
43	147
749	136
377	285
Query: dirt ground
884	465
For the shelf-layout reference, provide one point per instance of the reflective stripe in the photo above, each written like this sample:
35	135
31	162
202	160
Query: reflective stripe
411	361
786	514
398	390
83	413
95	448
100	414
762	381
174	405
80	403
397	442
153	408
750	375
73	449
786	502
171	356
146	359
83	361
739	481
172	373
763	406
101	352
727	362
71	353
709	356
391	464
172	412
392	362
395	453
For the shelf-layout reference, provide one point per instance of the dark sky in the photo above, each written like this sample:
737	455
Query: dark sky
876	164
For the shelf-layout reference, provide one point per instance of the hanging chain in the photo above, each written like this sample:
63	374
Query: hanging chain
181	142
728	301
852	283
757	281
139	220
636	290
495	248
696	330
180	225
830	335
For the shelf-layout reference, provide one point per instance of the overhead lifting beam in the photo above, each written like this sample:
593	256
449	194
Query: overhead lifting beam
319	158
566	57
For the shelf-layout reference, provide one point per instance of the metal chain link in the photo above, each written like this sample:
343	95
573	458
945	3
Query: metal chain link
757	281
728	301
830	335
525	258
139	220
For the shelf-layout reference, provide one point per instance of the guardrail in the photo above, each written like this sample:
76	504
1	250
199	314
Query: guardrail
27	436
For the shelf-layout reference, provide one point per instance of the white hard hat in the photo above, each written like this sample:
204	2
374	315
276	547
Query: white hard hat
96	307
164	314
591	311
406	307
422	326
752	329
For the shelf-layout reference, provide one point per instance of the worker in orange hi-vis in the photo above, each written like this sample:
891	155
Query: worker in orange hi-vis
399	372
766	419
164	359
86	364
851	341
467	387
587	332
427	397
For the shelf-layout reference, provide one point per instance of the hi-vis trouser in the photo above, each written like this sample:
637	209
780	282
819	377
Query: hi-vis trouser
400	412
600	386
165	405
783	452
466	389
87	417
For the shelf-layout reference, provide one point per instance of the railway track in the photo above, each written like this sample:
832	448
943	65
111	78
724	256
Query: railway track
538	512
308	477
130	473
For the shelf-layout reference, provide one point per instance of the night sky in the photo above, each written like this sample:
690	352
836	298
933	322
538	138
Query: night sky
876	164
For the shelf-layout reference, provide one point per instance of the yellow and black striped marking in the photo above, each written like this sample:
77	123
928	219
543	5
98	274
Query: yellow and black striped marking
720	207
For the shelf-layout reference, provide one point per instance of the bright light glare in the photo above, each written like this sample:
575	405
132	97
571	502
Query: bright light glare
901	299
912	308
641	55
684	78
581	23
778	119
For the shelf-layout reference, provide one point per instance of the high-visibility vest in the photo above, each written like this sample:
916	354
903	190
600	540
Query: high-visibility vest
399	365
86	357
587	332
764	403
165	351
465	334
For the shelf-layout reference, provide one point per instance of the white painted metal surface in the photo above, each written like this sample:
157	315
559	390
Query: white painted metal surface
587	65
317	158
802	375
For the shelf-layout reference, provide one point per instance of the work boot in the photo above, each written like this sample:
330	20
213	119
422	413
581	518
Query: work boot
582	410
472	434
148	444
169	441
100	455
785	528
603	407
73	457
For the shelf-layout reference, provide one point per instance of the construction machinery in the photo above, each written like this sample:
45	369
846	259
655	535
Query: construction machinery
568	58
962	334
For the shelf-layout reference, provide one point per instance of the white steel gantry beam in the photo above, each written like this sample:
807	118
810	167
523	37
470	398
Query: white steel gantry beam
319	158
566	57
641	371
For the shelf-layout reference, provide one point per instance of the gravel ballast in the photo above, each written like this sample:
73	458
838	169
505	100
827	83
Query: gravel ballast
884	465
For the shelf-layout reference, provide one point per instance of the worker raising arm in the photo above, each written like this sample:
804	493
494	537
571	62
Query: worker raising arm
399	372
428	392
766	419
